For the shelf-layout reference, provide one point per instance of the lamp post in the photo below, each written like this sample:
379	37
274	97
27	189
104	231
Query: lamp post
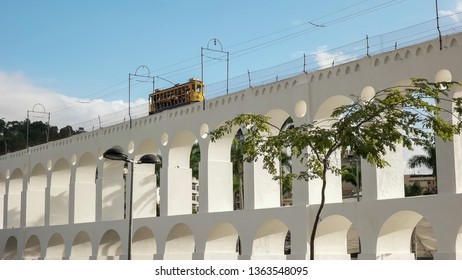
130	75
218	48
28	122
117	153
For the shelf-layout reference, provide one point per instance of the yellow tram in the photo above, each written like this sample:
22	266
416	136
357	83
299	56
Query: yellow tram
180	94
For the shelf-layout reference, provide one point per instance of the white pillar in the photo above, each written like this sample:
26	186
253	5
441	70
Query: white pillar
260	190
216	186
384	183
144	191
113	184
176	191
309	193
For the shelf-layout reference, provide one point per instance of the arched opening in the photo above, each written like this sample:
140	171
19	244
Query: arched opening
35	210
85	189
194	162
59	193
81	247
144	244
55	247
285	167
270	241
222	243
237	159
423	241
110	246
406	235
32	250
11	249
180	243
336	238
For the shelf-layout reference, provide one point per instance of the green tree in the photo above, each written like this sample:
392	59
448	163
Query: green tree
237	158
194	159
412	190
368	128
428	159
349	174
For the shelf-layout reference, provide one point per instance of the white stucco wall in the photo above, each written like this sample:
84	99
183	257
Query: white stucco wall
54	206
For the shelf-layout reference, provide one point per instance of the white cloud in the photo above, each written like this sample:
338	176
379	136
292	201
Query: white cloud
324	58
455	13
18	94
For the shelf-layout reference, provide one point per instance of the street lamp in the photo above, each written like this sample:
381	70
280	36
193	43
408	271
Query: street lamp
117	153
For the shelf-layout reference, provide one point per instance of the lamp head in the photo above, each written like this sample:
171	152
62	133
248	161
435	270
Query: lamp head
150	159
115	153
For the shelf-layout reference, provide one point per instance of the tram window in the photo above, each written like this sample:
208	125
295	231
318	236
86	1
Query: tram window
198	88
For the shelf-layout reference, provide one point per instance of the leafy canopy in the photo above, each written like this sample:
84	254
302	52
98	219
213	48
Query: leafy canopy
370	128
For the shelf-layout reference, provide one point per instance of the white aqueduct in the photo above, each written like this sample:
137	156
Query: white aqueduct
63	200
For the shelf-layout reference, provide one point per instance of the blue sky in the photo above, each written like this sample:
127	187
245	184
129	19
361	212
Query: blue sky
74	57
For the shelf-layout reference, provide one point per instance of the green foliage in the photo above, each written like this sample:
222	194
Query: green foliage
412	190
194	160
368	128
349	174
13	134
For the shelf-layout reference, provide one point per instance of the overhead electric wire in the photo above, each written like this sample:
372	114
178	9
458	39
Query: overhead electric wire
256	47
284	38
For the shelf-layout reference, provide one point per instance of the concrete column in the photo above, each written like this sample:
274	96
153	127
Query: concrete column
144	191
35	207
71	196
175	191
113	186
260	190
384	183
448	160
3	210
309	193
216	186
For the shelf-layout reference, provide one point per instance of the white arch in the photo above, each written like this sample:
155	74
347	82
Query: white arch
144	244
55	247
81	246
394	240
110	246
326	108
269	240
222	242
331	238
11	248
32	249
180	243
